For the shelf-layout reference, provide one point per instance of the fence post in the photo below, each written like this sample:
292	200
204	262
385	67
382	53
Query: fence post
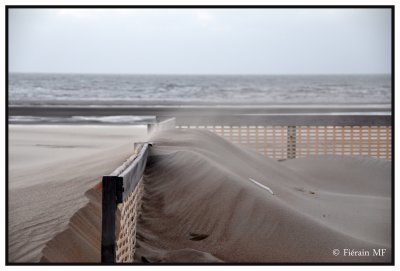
112	190
291	142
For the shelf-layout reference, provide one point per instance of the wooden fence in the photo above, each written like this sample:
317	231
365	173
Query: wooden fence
124	188
121	201
287	142
287	136
281	136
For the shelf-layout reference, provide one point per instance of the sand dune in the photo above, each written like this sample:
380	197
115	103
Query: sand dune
199	199
207	200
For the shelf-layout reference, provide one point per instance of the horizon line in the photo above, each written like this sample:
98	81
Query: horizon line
194	74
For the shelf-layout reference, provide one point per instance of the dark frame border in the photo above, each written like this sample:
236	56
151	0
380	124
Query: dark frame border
391	7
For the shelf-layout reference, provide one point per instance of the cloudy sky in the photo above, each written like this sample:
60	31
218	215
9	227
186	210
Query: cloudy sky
200	41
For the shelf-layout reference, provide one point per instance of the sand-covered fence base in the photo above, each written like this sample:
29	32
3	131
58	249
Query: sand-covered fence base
208	200
205	200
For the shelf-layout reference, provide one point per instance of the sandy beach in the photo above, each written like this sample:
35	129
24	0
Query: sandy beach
226	135
51	168
205	199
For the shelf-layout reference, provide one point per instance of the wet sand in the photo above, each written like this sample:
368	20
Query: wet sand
317	114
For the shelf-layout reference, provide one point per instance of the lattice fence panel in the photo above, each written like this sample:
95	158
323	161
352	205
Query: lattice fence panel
282	142
129	212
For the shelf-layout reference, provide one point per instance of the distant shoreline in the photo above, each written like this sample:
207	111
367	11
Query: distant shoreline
143	109
187	103
202	114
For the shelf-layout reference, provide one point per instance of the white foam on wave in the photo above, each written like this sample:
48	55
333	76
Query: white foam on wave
114	119
83	119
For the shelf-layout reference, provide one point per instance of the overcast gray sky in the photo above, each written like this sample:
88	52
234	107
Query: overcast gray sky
200	41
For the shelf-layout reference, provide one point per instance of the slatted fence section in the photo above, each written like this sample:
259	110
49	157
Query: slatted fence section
283	142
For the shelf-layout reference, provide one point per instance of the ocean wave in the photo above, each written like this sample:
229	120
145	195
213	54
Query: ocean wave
82	120
132	89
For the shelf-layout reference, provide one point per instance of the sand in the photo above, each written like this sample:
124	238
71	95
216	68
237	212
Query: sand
207	200
50	170
200	205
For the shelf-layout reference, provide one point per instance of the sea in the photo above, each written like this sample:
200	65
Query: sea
158	90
